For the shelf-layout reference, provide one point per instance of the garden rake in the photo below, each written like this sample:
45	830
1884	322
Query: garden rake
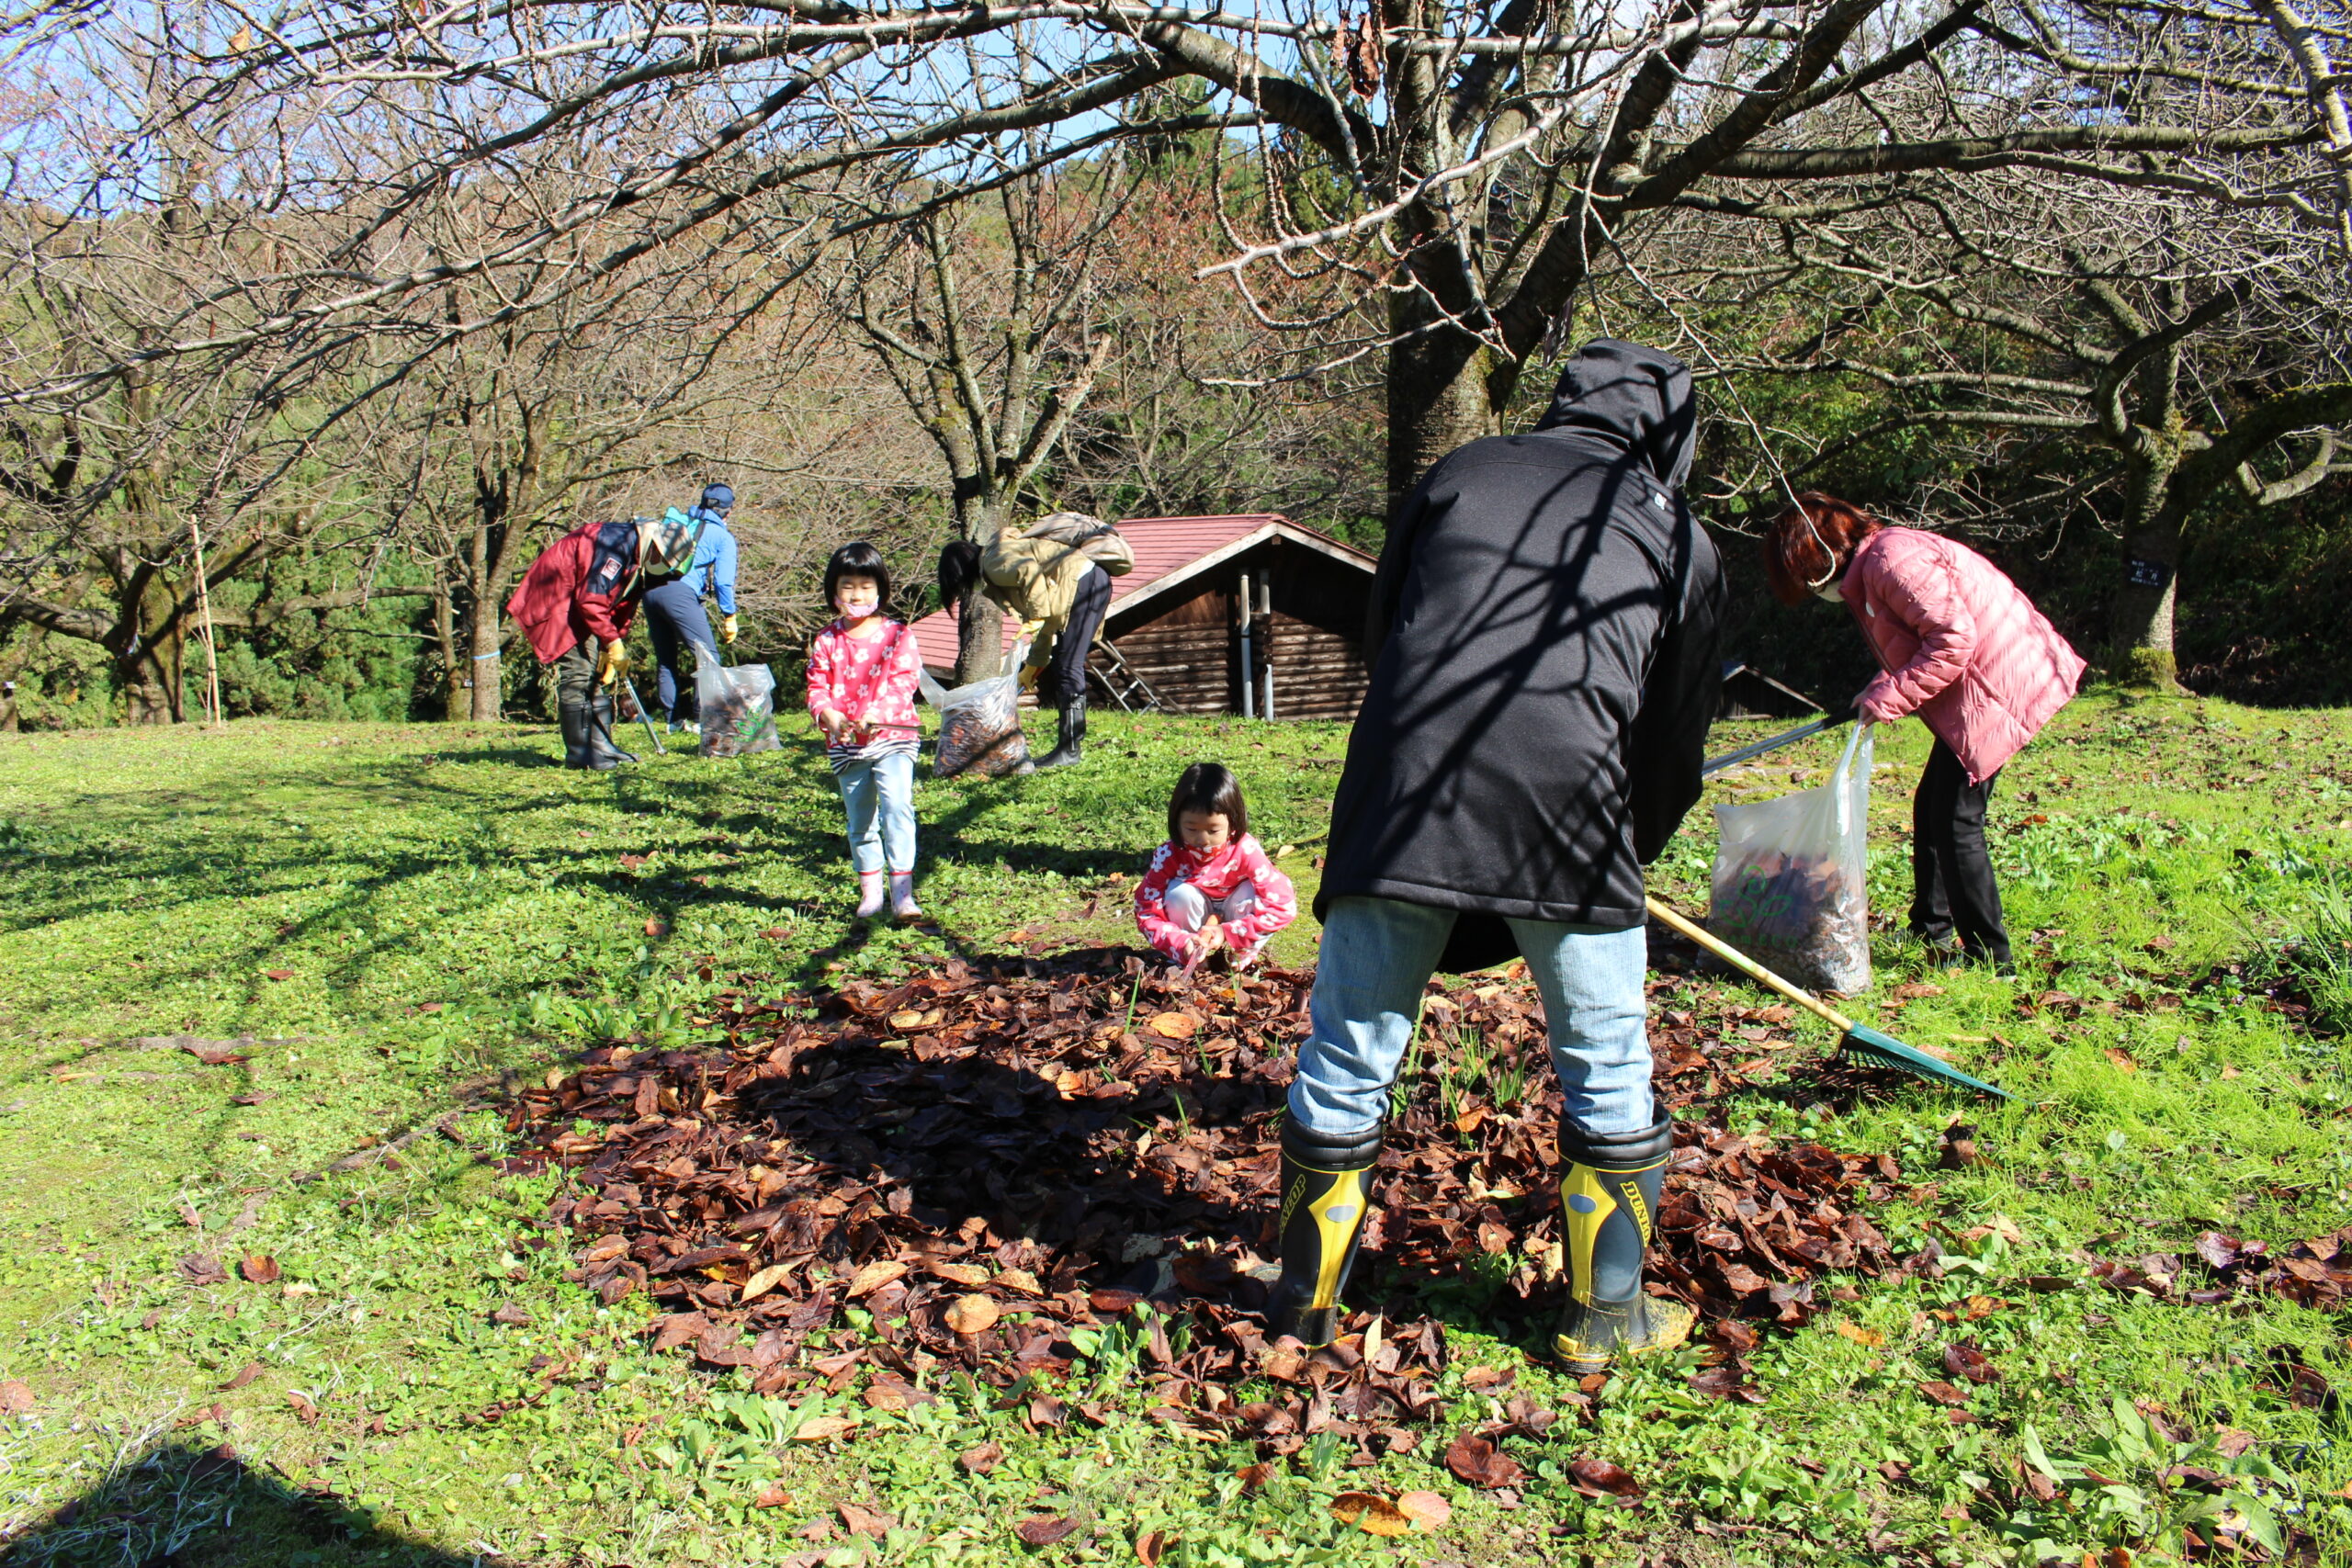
1858	1038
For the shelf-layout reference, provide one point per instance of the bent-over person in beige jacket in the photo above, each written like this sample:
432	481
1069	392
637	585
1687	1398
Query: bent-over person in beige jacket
1055	577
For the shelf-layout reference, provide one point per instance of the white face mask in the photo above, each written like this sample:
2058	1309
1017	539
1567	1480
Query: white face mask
1831	592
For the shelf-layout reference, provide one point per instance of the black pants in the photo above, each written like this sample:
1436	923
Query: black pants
575	670
674	618
1953	893
1065	678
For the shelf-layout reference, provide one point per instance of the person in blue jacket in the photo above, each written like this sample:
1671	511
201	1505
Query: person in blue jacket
674	616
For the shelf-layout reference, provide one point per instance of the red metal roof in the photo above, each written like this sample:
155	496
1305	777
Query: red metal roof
1163	546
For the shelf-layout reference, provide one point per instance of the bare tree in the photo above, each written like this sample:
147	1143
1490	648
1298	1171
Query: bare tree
986	320
1450	176
2163	339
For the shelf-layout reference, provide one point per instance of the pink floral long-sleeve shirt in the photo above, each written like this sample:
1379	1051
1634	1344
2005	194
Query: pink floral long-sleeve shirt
873	682
1215	876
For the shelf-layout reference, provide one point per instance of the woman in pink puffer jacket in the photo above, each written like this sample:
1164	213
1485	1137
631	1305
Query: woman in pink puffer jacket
1959	646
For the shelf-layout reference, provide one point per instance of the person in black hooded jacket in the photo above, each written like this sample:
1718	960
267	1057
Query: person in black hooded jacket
1544	647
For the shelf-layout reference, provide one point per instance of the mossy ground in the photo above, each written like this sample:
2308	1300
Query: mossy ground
401	916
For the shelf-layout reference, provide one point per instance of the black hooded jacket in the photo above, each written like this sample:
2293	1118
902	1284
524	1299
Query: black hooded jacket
1544	627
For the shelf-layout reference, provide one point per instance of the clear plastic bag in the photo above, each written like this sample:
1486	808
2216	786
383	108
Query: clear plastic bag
1792	878
736	708
979	725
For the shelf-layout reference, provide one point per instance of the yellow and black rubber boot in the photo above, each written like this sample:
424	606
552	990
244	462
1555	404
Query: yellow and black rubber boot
1327	1187
1609	1196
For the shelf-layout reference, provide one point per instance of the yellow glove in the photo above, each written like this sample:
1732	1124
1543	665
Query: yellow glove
614	664
727	631
1029	673
1029	630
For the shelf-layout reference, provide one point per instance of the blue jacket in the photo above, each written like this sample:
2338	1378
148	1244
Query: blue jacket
713	572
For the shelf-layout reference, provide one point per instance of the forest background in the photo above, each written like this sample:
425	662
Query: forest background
318	330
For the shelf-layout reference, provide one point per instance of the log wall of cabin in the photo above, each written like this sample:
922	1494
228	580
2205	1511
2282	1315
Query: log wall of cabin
1190	651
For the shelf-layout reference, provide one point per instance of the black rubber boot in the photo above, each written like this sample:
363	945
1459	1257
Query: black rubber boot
573	716
1071	746
1327	1189
1609	1196
602	752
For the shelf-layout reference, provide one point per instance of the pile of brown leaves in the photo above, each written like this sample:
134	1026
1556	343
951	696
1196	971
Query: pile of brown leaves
988	1160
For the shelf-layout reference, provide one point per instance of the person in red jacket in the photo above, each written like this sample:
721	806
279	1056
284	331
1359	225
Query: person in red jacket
1211	888
575	605
1961	645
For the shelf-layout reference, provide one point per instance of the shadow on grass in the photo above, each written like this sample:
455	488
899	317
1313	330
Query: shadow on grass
181	1505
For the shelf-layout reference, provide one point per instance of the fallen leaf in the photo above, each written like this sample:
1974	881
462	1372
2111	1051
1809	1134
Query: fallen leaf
16	1397
972	1315
279	974
1044	1529
1476	1461
1943	1392
817	1428
1173	1026
656	928
874	1276
1860	1336
1965	1360
761	1283
1021	1279
862	1521
960	1273
1595	1476
982	1458
511	1316
2122	1059
259	1269
1253	1476
305	1411
1427	1509
1370	1513
1151	1546
771	1495
246	1375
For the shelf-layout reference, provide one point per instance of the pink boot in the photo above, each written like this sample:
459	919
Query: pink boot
902	895
869	894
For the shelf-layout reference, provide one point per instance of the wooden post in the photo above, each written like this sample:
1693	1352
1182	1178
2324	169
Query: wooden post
1248	696
1266	643
204	611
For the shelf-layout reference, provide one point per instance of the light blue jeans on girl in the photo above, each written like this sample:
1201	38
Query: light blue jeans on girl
879	793
1378	953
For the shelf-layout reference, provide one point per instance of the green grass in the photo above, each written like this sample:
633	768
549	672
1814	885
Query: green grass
404	918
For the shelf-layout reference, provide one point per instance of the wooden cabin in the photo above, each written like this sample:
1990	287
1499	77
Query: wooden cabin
1183	641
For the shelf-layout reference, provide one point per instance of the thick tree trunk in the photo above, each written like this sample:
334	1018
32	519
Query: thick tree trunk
148	670
2141	636
1437	383
979	624
488	668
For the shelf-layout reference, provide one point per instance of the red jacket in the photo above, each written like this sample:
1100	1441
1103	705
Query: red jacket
585	584
1960	645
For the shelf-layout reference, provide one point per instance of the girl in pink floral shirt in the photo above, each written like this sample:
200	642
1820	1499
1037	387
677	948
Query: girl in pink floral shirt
862	675
1211	887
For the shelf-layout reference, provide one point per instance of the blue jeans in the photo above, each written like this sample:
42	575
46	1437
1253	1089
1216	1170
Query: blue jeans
879	793
674	617
1377	954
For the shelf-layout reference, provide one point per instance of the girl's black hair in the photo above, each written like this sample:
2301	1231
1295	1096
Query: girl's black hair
858	559
1210	789
959	567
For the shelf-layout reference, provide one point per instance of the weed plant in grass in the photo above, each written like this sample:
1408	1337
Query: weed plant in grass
271	1296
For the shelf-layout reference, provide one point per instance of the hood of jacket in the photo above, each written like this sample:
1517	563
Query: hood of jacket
1634	398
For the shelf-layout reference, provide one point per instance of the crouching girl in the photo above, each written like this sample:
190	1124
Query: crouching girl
1211	887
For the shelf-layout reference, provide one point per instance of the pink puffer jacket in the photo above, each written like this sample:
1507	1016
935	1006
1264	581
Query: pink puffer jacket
1959	644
